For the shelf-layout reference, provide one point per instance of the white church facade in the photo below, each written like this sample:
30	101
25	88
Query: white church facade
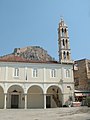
44	84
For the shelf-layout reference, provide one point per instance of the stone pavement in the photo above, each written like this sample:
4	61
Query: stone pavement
73	113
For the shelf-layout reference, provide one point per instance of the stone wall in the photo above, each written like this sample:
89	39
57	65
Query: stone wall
80	75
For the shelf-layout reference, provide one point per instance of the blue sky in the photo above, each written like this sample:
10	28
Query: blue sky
35	22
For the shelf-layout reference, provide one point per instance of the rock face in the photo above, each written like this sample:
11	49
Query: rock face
35	53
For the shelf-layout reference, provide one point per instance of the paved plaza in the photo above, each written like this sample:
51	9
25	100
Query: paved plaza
73	113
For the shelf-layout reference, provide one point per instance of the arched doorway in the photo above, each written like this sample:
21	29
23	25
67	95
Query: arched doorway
1	98
53	97
15	97
35	97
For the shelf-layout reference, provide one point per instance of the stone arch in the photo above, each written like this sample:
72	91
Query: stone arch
29	86
14	84
53	96
35	97
59	86
1	97
15	97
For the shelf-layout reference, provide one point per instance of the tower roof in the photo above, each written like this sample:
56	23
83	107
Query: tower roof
62	23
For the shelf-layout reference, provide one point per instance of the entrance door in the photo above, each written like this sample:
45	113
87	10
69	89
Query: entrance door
48	101
14	101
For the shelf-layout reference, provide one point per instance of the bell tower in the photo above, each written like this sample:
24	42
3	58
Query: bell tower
64	44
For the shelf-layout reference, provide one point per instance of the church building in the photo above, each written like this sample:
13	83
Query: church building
31	83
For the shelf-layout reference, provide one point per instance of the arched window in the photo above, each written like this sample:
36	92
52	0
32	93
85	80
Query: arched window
66	43
35	72
16	72
65	30
67	73
68	55
62	32
53	73
63	42
64	55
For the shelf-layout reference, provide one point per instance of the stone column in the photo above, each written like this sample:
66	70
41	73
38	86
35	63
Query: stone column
44	101
25	101
5	97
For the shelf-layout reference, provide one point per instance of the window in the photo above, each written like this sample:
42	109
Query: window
62	32
68	55
66	43
67	73
64	55
35	72
16	72
63	43
65	30
53	73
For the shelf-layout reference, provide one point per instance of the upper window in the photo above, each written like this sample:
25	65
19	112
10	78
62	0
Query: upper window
64	55
53	73
62	32
16	72
63	42
68	55
67	73
66	43
35	72
65	30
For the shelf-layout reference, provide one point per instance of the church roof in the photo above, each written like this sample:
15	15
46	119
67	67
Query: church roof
13	58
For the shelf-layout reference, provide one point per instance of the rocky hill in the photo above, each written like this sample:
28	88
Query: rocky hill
35	53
